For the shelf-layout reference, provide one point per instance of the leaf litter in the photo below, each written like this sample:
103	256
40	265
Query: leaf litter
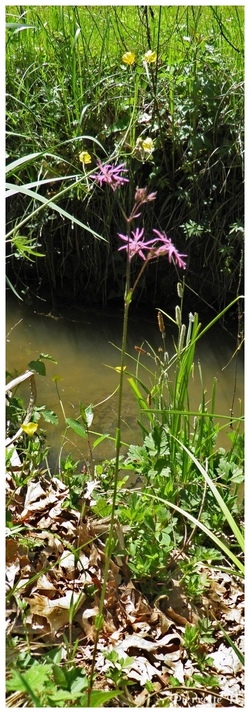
54	569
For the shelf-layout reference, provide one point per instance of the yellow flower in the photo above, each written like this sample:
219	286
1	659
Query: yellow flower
150	56
29	428
128	58
148	145
85	157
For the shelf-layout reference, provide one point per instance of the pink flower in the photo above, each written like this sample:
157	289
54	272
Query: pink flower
111	174
166	247
135	245
142	196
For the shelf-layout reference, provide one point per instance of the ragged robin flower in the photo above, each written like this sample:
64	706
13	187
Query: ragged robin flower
128	58
157	247
134	245
111	174
162	245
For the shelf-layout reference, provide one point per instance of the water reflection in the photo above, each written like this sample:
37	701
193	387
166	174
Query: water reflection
82	343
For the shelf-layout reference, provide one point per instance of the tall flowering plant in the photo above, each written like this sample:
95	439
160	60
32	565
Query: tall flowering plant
134	243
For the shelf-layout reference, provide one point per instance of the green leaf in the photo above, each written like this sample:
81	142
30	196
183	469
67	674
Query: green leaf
234	527
62	695
50	417
100	439
12	189
47	356
79	684
13	288
38	366
97	698
86	414
202	527
35	677
89	415
77	427
59	676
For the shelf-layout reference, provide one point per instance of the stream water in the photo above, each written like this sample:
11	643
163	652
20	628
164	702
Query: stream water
85	344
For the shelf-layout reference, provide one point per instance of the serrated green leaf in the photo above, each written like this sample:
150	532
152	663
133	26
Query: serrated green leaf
35	677
61	695
50	416
77	427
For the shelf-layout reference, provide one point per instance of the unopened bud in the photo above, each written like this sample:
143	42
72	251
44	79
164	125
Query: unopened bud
180	290
161	324
140	195
182	337
178	315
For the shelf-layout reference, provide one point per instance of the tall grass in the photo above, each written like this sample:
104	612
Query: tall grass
66	81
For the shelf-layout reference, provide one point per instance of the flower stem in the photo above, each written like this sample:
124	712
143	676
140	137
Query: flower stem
109	543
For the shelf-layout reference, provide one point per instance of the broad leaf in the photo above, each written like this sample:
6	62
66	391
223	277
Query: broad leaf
98	698
77	427
38	366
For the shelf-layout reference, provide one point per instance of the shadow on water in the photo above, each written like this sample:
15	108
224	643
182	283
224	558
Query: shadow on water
83	343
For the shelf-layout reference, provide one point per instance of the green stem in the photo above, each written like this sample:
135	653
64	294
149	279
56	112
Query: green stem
109	544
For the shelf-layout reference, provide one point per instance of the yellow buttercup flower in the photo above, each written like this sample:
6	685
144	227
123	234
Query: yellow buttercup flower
85	157
128	58
148	145
150	56
29	428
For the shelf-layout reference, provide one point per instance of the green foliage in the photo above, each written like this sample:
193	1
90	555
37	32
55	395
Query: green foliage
195	640
190	103
51	684
118	668
77	427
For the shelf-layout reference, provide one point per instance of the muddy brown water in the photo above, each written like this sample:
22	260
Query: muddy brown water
85	344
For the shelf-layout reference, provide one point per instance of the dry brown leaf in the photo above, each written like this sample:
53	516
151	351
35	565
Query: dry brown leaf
12	548
142	670
68	563
34	492
83	619
56	611
43	583
138	642
225	660
232	690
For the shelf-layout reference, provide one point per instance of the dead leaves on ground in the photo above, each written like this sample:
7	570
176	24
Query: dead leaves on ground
54	570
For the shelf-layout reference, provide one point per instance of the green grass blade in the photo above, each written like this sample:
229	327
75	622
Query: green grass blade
202	527
143	405
50	204
234	527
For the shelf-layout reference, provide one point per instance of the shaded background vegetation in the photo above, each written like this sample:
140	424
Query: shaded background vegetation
66	80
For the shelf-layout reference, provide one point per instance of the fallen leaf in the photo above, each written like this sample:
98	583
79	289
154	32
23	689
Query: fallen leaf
142	670
56	611
225	660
